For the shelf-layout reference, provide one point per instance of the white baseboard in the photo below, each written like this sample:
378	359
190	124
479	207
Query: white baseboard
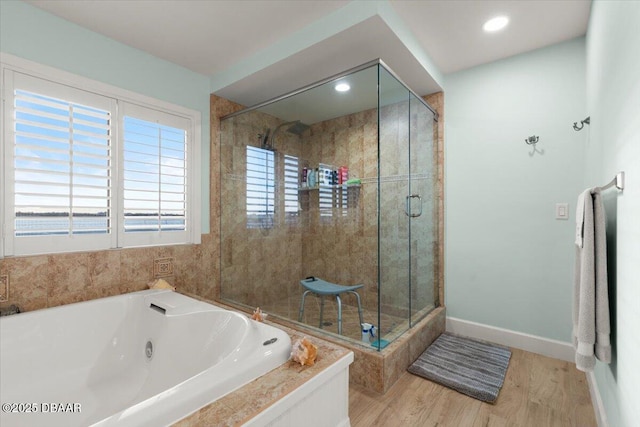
596	401
535	344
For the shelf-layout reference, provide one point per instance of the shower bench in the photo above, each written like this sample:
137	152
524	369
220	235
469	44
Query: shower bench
322	288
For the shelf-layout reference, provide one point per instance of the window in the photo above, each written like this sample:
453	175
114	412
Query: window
89	170
260	187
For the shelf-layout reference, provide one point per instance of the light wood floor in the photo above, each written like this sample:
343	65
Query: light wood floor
538	391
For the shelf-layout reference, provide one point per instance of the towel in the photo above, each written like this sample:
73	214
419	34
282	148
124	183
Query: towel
580	216
591	324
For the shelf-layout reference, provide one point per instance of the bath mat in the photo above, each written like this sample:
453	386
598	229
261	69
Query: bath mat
474	368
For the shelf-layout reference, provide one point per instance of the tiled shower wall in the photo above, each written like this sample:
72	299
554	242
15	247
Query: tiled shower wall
260	263
340	245
436	101
262	267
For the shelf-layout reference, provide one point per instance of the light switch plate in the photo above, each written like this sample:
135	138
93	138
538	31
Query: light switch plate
562	210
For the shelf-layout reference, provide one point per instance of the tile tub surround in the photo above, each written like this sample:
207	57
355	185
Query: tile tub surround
250	400
44	281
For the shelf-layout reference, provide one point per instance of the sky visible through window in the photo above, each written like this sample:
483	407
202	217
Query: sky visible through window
154	176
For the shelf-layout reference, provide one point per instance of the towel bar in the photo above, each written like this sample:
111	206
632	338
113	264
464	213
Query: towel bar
618	181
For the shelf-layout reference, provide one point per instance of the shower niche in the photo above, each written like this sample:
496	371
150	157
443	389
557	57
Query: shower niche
340	186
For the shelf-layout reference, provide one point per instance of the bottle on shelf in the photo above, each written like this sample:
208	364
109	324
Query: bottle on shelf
311	178
343	174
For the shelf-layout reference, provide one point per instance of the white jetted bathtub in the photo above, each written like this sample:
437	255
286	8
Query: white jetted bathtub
143	359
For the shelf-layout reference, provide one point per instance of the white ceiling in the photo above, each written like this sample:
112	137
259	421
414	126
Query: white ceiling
205	36
451	31
212	37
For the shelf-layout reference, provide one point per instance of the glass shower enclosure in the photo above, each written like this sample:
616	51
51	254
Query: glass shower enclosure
329	207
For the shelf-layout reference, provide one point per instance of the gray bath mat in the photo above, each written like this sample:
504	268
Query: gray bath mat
474	368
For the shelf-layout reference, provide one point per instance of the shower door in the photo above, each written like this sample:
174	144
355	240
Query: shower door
406	214
421	210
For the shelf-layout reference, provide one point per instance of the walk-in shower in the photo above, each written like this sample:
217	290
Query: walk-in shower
333	196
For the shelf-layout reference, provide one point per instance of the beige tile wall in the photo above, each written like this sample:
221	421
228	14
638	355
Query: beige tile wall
260	266
50	280
264	266
342	248
436	101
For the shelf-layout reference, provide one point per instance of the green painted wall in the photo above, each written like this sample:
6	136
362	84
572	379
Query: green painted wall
613	99
30	33
509	262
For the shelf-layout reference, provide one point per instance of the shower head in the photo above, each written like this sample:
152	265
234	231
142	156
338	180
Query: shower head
296	127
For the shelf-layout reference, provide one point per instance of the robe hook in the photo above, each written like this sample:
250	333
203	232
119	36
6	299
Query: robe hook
582	123
532	140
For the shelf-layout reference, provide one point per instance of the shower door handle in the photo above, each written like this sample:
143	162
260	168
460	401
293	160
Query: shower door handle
407	209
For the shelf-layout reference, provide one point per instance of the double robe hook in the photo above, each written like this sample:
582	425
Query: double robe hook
532	140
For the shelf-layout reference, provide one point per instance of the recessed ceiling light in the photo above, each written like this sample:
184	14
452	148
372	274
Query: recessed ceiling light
342	87
495	24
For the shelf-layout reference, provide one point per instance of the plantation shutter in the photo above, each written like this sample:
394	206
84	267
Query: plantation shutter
62	178
60	189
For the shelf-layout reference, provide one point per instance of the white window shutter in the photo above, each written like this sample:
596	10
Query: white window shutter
59	180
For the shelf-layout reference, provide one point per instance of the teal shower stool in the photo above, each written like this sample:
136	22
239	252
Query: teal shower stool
322	288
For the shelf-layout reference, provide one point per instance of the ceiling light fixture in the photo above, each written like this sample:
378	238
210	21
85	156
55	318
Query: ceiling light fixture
495	24
342	87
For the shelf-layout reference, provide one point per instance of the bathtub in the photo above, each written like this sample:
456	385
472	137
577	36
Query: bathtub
147	358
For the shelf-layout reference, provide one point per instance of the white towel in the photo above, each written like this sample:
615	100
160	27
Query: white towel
580	216
591	298
603	326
